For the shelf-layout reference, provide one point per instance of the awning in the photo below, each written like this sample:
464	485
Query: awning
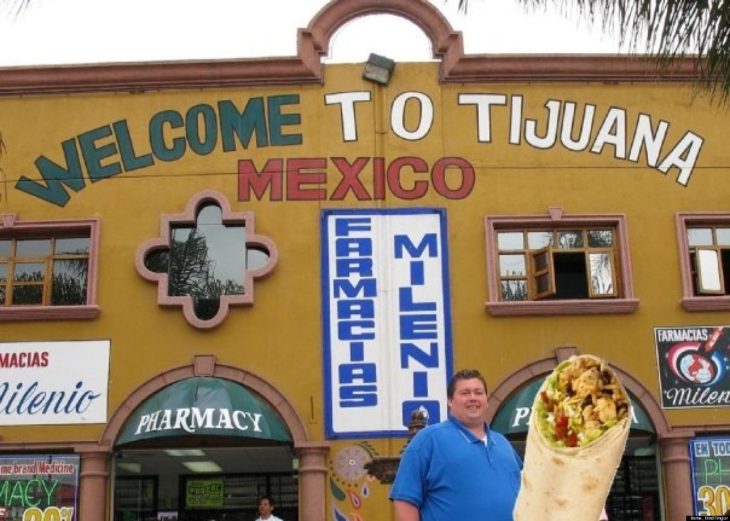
514	414
204	406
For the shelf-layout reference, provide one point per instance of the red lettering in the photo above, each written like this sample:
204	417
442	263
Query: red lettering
394	177
296	176
379	178
250	178
307	178
350	181
438	177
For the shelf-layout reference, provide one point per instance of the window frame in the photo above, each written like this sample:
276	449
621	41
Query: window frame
691	301
12	228
555	219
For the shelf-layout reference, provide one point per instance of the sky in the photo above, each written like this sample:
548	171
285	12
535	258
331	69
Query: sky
50	32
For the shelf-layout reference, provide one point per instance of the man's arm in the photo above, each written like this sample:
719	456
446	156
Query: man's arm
405	511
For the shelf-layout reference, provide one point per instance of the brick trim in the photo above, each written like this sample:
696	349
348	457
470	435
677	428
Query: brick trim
313	43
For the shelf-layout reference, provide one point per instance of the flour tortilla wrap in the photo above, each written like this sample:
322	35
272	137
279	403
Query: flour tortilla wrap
562	482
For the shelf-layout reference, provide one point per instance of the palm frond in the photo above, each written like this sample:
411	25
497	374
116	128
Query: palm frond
666	29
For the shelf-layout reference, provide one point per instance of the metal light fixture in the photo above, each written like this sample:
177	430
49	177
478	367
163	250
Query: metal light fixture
378	69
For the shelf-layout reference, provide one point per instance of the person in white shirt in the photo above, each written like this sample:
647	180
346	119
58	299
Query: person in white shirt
266	507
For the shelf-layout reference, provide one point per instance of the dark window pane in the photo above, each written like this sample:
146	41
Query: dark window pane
2	294
32	294
205	309
570	239
158	261
543	283
69	282
541	261
514	290
29	272
72	246
4	249
3	272
571	280
600	238
33	248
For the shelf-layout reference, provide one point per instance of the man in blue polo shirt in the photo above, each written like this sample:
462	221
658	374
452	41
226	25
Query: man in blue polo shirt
458	469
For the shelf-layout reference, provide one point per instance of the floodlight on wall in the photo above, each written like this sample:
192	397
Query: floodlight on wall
378	69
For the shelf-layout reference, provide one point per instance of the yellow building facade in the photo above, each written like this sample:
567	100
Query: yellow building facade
272	263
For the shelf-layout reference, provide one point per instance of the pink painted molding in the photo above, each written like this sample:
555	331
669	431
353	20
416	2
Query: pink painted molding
188	217
691	302
313	43
11	226
555	217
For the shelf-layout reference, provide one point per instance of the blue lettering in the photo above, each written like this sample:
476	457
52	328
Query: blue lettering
243	124
346	267
160	149
55	177
409	351
358	396
429	242
278	120
363	372
364	287
93	154
344	226
406	303
201	143
350	246
415	327
346	329
355	308
35	401
130	160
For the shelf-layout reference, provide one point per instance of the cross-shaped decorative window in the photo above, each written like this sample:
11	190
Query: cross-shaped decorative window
206	259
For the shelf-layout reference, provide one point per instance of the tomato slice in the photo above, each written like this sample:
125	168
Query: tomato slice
561	425
572	440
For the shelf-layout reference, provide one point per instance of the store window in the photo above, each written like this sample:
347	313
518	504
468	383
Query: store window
204	449
558	264
704	242
47	269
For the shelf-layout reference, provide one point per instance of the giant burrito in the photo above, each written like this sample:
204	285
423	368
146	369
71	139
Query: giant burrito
578	429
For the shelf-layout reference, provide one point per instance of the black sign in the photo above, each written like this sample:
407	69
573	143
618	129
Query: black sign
711	475
693	366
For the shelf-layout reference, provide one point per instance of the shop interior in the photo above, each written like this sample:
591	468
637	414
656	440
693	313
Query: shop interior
203	482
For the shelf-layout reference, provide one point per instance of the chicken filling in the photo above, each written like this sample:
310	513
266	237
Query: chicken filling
582	400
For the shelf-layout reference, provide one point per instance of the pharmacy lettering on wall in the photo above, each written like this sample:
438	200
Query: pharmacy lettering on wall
43	383
387	330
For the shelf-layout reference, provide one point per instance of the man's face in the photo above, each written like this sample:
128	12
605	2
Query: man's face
469	402
265	508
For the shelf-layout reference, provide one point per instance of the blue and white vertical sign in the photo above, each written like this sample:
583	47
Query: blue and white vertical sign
387	319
